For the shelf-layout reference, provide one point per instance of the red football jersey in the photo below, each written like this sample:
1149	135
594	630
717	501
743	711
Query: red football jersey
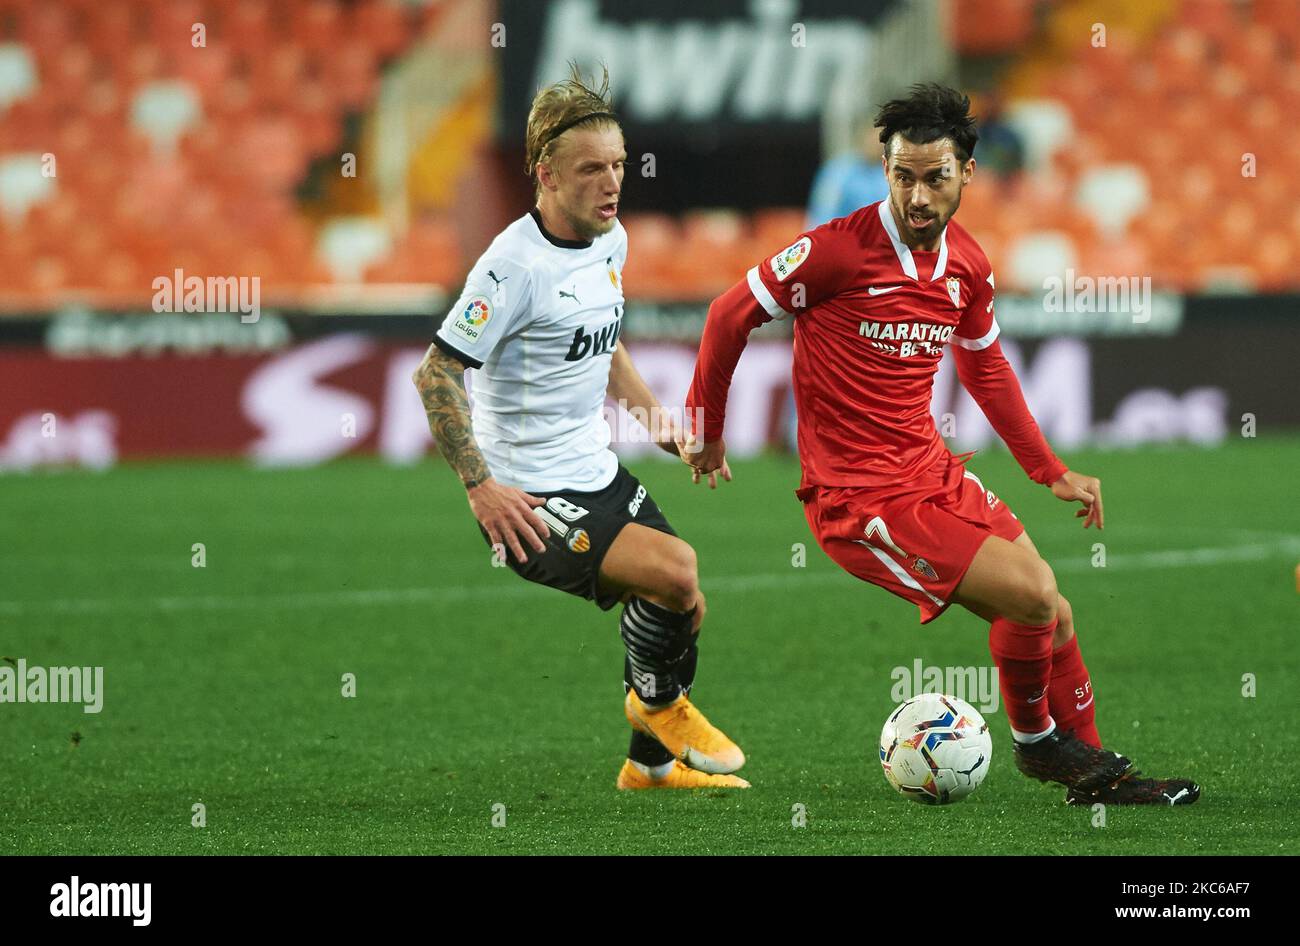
872	320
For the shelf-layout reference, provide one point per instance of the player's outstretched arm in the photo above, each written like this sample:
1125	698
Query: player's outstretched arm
628	388
732	316
505	513
987	375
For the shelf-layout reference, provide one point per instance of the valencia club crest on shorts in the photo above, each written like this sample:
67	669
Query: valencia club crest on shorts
922	567
954	290
578	541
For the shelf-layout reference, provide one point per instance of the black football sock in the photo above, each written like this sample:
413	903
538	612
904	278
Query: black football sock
684	669
643	748
656	639
647	749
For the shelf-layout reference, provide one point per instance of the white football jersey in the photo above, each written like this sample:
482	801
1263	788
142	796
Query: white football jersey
539	318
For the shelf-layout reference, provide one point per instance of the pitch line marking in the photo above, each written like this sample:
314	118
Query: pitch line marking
792	578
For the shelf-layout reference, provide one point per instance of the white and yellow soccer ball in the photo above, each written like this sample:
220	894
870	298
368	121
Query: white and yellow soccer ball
935	749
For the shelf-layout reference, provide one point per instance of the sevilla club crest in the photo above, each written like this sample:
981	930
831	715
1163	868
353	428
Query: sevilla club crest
954	290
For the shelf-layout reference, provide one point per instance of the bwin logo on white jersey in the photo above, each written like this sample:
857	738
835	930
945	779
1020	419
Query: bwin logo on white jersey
597	343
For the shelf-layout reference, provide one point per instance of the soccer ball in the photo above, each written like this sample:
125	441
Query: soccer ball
935	749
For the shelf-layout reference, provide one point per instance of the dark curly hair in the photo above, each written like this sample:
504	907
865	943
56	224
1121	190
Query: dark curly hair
930	112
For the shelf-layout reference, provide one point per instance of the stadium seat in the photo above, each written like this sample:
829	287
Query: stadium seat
1212	19
1124	256
23	185
163	111
1279	17
986	27
1277	259
17	73
777	227
1038	254
721	238
318	26
270	153
1044	126
429	252
349	245
249	21
49	275
1111	195
383	24
46	26
1181	59
206	69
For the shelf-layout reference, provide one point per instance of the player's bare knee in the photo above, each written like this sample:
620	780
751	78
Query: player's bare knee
681	583
1040	599
1035	595
1064	622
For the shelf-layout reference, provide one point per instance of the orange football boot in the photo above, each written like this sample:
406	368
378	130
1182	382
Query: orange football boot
679	776
683	731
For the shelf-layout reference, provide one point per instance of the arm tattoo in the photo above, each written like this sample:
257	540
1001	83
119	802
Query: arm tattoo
441	383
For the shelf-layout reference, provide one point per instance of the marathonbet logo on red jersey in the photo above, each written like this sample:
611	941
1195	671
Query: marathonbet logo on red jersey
905	339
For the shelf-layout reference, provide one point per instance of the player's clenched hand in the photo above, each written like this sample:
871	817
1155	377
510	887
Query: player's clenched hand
506	514
1075	487
706	459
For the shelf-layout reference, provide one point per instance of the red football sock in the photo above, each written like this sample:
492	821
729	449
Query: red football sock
1070	695
1023	654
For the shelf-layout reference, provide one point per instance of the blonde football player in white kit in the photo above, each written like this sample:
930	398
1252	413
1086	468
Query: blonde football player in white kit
539	320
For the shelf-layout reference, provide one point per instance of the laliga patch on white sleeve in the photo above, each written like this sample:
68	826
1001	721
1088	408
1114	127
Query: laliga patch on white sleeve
468	323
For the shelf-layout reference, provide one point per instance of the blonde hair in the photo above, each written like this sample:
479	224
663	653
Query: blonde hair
561	106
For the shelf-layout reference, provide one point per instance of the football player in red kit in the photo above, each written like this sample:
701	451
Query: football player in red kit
876	298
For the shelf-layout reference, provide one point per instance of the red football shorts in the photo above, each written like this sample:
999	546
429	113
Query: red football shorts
915	542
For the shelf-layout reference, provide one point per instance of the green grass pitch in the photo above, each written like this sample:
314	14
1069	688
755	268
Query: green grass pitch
473	689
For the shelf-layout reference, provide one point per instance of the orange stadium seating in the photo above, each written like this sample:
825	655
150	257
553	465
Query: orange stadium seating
1177	114
1140	150
171	156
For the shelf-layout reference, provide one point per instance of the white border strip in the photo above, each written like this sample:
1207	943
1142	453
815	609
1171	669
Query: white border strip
976	344
765	298
901	575
904	253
